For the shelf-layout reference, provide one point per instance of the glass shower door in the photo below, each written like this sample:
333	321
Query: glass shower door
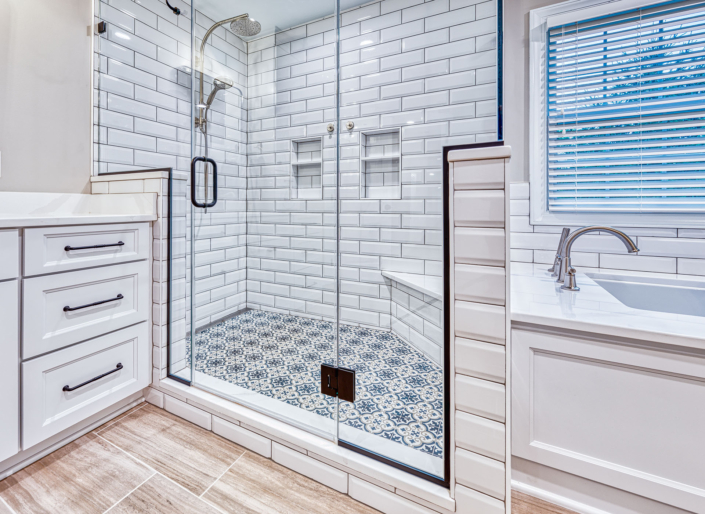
254	288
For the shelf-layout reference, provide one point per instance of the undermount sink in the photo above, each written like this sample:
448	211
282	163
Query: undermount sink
655	294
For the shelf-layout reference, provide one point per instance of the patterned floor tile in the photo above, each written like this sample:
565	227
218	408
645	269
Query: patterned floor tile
399	391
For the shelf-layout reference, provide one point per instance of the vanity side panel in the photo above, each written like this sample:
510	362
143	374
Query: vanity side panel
9	369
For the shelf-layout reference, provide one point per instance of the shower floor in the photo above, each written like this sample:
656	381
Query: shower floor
399	391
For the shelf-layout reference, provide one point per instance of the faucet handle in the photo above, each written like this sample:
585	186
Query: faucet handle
555	269
570	283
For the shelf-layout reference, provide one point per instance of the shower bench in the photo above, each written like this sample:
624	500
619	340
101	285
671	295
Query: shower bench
417	311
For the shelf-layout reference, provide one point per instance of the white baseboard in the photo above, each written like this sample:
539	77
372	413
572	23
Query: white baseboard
561	501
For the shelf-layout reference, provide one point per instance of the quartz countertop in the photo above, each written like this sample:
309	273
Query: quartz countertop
44	209
538	299
432	286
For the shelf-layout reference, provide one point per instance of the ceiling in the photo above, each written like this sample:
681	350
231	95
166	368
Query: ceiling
273	15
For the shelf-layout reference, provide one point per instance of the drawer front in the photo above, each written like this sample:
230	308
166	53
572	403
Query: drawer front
9	254
48	407
67	308
9	370
48	250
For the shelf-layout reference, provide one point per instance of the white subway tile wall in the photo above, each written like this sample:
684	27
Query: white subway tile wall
425	71
398	71
142	114
662	250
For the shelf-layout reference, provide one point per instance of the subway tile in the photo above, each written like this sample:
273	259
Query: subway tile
431	69
691	266
452	81
361	14
379	79
383	500
117	86
401	31
402	60
117	52
136	11
129	40
156	37
670	247
474	28
480	59
127	106
428	39
449	50
638	263
358	42
424	10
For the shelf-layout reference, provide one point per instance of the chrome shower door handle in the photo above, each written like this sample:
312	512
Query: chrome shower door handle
196	203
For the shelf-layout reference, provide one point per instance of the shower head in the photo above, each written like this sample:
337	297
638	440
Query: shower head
245	27
218	84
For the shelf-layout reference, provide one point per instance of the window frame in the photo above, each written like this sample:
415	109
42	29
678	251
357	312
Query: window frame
539	21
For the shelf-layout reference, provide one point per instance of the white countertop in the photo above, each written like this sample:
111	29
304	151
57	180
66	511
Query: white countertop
44	209
538	299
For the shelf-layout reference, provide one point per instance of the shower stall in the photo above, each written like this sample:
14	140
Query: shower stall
308	246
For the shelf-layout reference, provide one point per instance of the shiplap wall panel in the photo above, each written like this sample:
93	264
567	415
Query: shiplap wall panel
481	336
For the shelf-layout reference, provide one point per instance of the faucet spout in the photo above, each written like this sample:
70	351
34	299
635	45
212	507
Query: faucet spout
567	272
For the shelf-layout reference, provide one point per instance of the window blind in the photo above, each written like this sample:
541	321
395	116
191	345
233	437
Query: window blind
625	111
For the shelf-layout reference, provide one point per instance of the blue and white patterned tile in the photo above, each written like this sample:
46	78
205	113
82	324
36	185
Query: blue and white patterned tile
399	391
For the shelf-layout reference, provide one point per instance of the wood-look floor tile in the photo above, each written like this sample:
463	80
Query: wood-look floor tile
4	509
525	504
84	477
161	496
258	485
187	454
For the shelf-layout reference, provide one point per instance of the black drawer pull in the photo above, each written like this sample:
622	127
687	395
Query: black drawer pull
117	368
71	309
69	248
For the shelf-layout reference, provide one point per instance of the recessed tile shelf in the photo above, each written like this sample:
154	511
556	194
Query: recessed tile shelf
380	164
306	166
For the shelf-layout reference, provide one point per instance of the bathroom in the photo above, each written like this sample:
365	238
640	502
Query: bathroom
390	256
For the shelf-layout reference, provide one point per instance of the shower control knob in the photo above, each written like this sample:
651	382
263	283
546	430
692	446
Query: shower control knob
330	127
350	125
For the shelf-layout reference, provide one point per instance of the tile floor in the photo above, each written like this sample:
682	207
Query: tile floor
399	391
149	461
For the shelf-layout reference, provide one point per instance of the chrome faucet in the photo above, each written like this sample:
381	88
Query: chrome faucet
555	269
567	272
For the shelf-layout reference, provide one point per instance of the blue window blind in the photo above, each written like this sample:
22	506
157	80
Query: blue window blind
626	112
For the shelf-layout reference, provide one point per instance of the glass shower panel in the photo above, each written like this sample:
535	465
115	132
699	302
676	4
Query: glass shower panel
261	226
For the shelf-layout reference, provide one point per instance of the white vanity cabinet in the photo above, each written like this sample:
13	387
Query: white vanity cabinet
9	344
625	413
74	326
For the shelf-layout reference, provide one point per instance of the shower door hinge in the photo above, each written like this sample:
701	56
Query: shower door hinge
338	382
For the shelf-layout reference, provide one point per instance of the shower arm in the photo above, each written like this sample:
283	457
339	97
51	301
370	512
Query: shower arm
201	60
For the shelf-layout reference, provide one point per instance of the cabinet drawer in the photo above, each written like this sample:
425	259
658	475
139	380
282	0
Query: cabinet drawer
52	249
9	254
48	407
9	370
67	308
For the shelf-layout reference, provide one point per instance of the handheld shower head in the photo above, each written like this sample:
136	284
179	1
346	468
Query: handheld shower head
218	84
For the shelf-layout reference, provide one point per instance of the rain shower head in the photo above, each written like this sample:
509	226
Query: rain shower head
245	27
218	84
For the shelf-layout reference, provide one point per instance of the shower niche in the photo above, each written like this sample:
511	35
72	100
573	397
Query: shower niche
306	168
380	164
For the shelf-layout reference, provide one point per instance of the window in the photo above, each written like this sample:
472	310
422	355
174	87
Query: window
618	112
